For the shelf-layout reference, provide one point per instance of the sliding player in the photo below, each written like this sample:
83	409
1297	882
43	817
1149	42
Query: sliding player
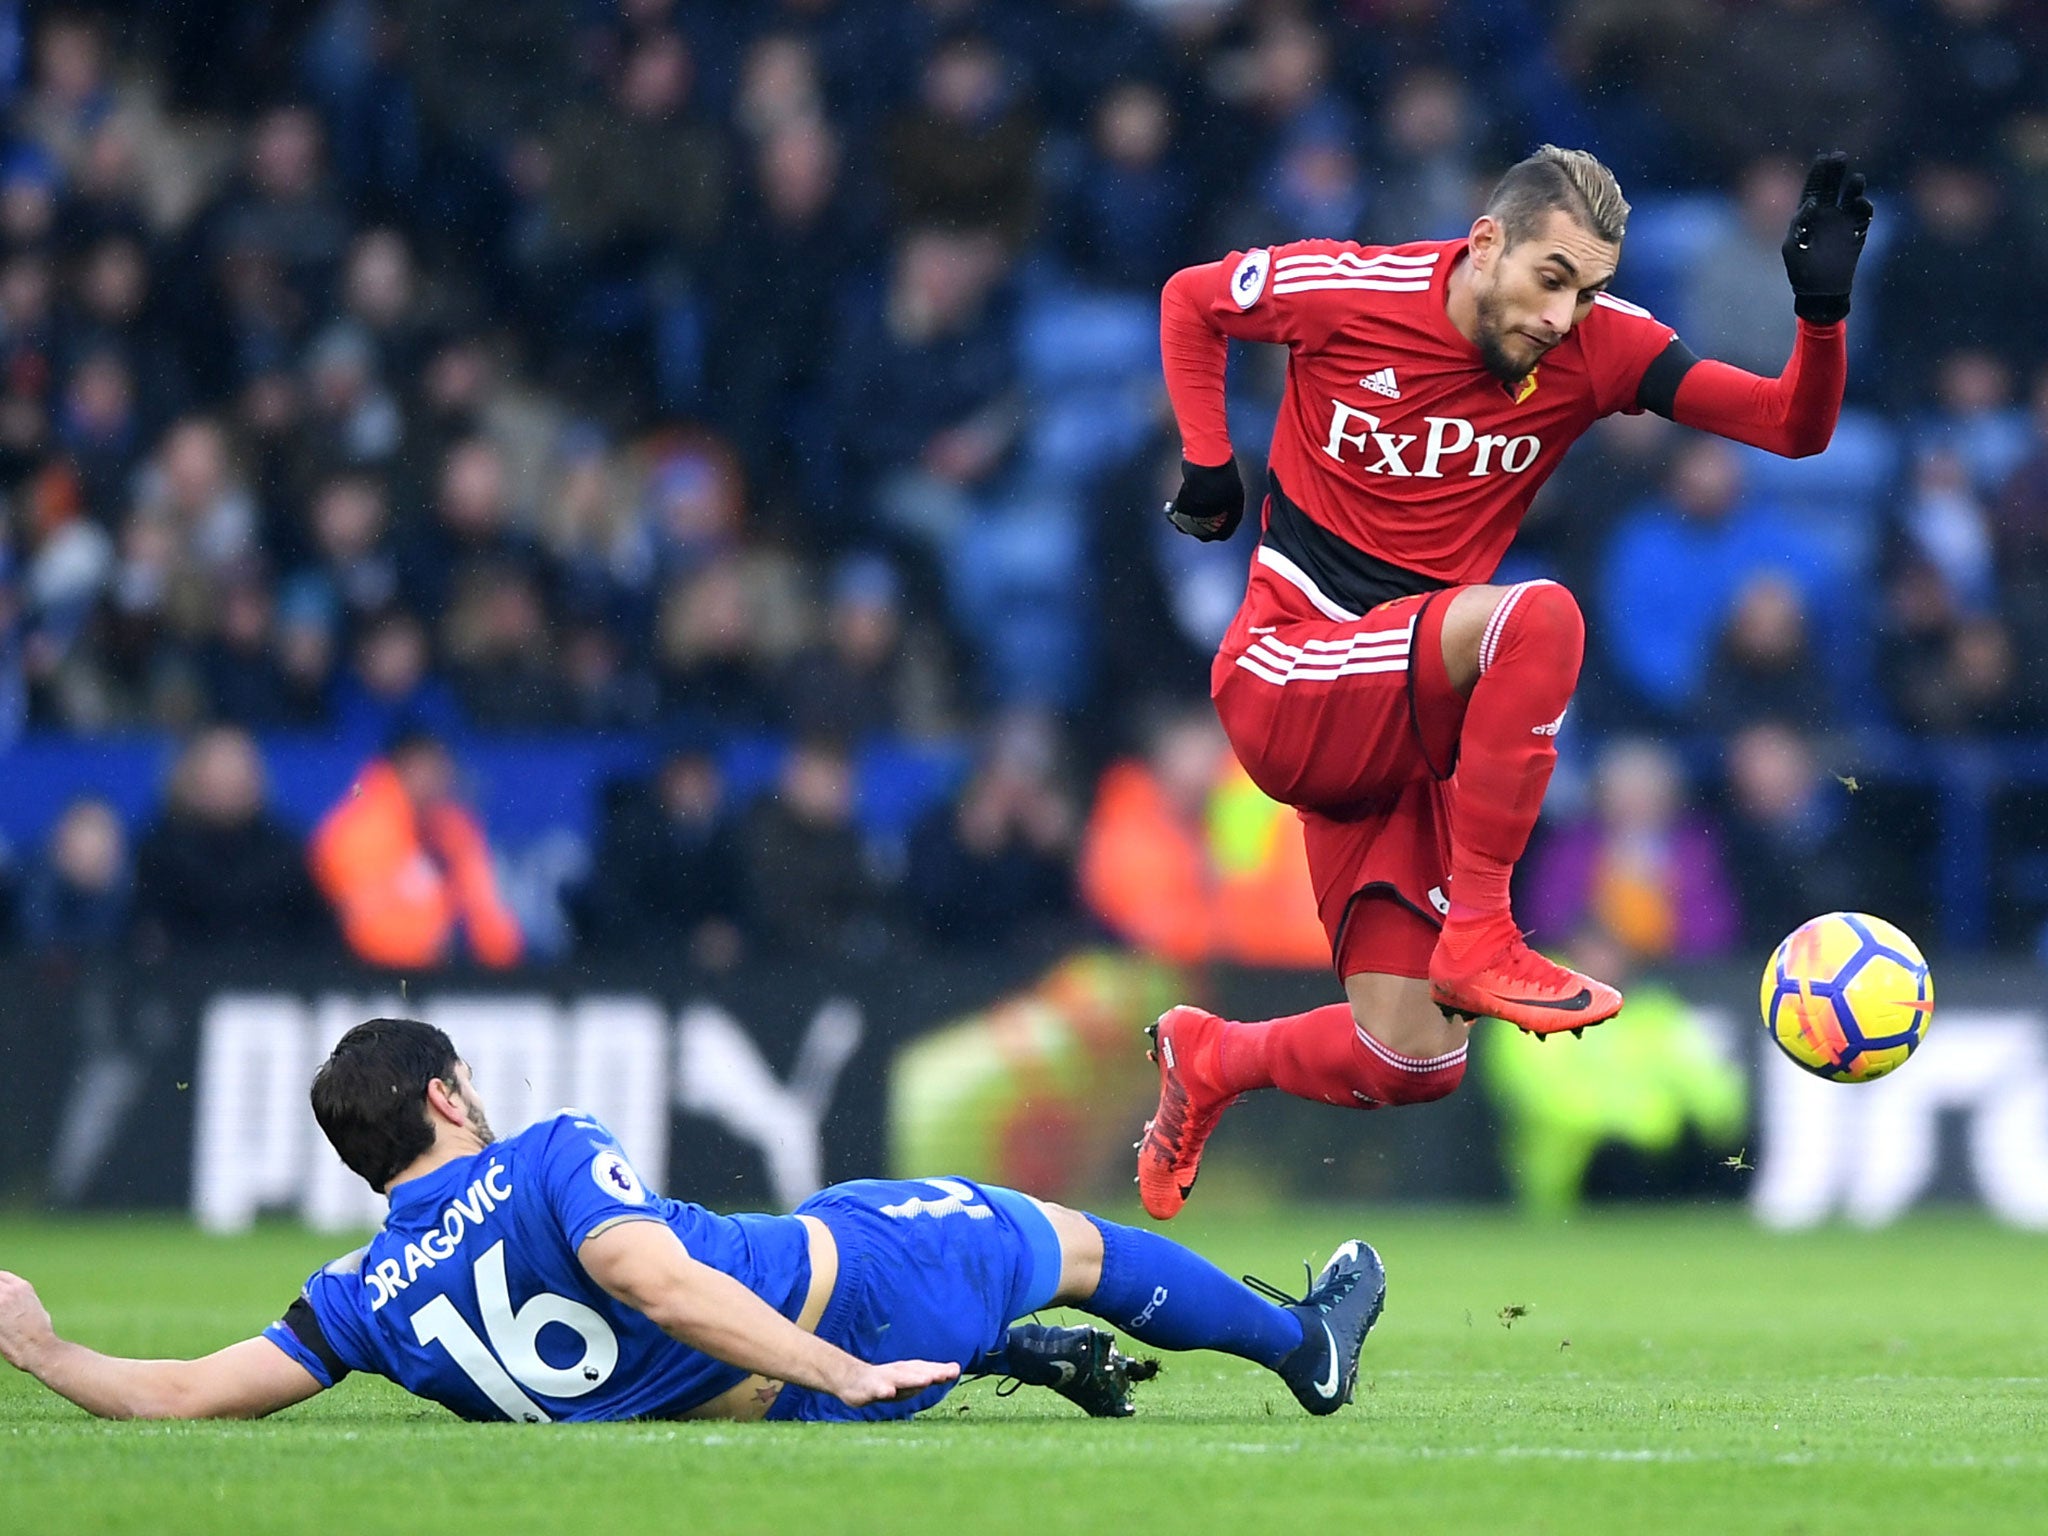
1372	678
538	1278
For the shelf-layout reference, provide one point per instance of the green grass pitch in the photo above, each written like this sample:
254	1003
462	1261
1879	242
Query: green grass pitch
1672	1372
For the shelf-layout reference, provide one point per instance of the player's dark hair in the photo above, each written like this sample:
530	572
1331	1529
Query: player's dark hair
1566	179
370	1094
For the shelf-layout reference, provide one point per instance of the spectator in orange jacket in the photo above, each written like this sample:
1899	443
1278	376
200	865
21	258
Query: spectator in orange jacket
407	868
1184	859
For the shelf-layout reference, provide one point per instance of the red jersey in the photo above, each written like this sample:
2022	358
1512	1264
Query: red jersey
1392	436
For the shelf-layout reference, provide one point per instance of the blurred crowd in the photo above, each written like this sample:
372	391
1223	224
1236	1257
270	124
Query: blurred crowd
408	374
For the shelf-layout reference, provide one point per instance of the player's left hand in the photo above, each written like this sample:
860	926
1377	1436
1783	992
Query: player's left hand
1825	239
895	1381
1211	501
24	1322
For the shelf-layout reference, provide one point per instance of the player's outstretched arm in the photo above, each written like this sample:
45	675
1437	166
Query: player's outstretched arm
1795	413
644	1265
243	1381
1210	503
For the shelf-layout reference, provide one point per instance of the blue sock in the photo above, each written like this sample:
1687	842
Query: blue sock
1173	1298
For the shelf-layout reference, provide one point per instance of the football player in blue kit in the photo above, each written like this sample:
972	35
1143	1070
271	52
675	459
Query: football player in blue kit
538	1278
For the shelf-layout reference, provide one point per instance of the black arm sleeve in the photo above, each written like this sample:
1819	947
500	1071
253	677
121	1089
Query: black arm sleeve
306	1329
1659	390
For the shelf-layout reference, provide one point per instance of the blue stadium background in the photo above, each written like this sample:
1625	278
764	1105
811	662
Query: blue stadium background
609	385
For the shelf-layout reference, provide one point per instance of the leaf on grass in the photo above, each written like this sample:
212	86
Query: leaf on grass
1512	1313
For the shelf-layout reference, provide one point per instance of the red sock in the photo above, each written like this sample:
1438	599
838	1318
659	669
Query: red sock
1324	1055
1528	666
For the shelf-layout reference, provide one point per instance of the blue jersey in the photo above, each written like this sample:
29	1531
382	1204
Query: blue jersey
472	1294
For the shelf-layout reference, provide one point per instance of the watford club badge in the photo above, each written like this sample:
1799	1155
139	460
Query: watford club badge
1526	388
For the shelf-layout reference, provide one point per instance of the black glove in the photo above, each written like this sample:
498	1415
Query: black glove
1826	238
1211	501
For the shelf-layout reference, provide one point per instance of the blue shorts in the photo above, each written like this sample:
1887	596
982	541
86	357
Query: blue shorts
929	1269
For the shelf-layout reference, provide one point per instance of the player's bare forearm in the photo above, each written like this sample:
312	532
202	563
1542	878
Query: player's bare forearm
644	1265
243	1381
716	1314
1793	414
111	1387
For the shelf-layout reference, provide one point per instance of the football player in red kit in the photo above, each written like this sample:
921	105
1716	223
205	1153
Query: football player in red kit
1373	678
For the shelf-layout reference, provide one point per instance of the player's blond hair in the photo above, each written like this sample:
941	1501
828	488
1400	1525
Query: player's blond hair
1567	179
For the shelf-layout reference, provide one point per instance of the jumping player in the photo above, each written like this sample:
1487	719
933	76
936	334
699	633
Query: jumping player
1372	678
537	1278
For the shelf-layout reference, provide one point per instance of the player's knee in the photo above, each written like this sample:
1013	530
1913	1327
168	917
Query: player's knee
1390	1077
1438	1081
1401	1021
1547	616
1080	1241
1407	1055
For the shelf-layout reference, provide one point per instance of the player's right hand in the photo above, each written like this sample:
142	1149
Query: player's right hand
24	1322
1825	239
894	1381
1211	501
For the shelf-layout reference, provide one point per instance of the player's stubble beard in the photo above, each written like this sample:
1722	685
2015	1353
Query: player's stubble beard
1492	341
473	1114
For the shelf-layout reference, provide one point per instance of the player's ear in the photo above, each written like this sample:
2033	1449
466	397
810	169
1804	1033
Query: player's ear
1487	240
444	1098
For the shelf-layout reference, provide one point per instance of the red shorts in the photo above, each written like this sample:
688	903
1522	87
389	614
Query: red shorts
1354	722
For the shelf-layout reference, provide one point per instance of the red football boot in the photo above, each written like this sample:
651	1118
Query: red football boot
1170	1151
1485	970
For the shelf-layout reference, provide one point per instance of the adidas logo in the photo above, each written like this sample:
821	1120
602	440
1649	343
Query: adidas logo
1553	727
1381	382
